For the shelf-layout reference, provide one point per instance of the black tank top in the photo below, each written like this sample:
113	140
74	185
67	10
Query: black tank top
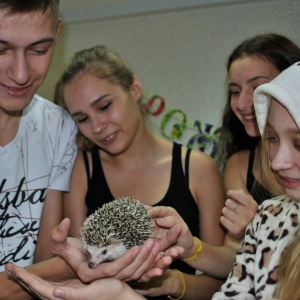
259	193
177	196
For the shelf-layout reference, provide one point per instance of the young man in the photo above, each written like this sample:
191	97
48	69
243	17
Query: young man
37	151
37	138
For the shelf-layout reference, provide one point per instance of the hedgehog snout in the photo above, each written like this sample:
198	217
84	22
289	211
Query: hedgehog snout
96	255
92	265
100	254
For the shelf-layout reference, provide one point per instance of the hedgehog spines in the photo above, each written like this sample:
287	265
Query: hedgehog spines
125	219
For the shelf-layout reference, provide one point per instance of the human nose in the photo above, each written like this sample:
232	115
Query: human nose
98	125
245	100
282	158
19	70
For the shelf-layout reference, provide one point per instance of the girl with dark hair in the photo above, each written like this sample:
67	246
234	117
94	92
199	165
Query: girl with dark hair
254	62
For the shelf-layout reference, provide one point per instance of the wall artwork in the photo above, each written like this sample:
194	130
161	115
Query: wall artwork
174	124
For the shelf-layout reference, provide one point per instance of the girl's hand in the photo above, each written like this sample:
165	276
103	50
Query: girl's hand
239	211
171	232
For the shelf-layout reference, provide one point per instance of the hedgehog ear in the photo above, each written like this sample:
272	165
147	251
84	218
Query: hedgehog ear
81	232
114	242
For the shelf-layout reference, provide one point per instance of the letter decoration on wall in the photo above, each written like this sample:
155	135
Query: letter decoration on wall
176	126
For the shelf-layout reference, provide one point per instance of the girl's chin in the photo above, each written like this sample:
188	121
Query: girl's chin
252	131
292	189
253	134
294	196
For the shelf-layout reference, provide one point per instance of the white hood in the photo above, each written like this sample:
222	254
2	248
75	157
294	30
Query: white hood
285	88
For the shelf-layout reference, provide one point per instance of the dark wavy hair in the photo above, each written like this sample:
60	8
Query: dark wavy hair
281	52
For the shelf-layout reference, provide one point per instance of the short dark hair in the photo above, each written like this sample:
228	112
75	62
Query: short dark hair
29	6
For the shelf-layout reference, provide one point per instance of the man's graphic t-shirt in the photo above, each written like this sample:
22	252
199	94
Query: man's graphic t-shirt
40	158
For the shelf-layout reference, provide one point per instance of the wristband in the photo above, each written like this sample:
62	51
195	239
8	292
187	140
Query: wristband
198	251
184	287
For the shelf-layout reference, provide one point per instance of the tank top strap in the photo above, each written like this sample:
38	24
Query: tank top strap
187	162
96	163
181	173
250	176
98	177
86	164
176	153
98	192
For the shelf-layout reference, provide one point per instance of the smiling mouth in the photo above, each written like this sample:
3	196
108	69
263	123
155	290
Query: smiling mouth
16	91
249	117
290	180
109	138
16	88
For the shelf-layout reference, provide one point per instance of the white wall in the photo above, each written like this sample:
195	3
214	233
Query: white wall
179	54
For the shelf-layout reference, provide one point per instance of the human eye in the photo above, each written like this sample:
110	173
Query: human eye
105	106
2	51
272	137
297	145
234	93
80	119
41	48
4	48
39	51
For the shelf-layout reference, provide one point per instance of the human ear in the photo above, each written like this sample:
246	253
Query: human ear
136	89
58	28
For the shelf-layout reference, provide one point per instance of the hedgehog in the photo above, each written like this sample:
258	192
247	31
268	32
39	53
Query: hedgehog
114	228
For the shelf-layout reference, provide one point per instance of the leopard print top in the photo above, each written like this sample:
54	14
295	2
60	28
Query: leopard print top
253	275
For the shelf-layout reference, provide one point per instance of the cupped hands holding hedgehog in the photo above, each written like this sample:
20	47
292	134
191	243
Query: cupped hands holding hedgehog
167	228
114	228
104	288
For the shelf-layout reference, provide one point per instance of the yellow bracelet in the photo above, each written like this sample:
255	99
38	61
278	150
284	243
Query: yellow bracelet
184	287
198	251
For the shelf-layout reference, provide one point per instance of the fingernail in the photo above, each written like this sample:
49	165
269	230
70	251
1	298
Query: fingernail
135	252
59	293
156	249
8	269
149	244
63	224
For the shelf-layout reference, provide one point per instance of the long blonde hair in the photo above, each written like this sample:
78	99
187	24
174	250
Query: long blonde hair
289	273
268	178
